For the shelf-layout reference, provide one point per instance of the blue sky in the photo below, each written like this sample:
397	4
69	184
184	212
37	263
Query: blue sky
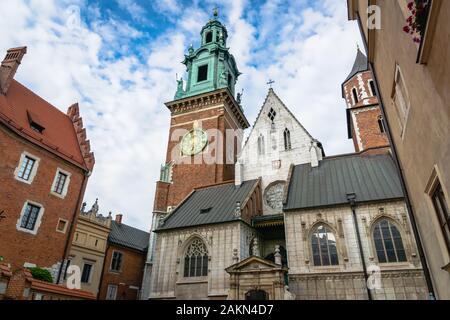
119	59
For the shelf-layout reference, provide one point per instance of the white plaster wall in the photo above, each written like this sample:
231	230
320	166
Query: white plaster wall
252	166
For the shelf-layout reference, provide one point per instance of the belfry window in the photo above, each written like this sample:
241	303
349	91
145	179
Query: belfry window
202	73
209	37
323	244
388	242
372	88
355	95
261	145
287	139
196	260
381	124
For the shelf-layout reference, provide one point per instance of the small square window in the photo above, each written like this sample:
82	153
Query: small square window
62	226
202	73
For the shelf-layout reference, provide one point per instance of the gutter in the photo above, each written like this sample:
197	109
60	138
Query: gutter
423	260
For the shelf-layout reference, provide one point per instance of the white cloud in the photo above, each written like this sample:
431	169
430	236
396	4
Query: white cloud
122	100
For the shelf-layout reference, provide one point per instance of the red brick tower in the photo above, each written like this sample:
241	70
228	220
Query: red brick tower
365	122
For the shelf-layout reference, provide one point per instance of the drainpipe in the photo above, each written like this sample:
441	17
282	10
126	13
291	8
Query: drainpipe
351	198
74	223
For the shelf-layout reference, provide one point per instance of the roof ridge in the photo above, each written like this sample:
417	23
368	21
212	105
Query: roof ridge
131	227
271	91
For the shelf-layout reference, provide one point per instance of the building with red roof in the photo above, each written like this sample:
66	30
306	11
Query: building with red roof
45	163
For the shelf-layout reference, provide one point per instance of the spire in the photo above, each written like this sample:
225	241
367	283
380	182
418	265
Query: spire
360	65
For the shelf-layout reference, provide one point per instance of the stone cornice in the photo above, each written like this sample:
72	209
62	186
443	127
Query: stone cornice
206	100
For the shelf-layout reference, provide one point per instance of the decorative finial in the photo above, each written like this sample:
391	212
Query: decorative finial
270	83
216	12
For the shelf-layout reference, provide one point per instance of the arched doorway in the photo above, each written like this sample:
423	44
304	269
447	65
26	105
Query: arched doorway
256	295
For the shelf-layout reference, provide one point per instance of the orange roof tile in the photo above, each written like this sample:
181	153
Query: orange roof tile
59	135
42	286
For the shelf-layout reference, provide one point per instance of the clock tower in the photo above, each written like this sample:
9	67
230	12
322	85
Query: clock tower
207	121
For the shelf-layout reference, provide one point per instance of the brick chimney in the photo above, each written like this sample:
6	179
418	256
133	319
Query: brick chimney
9	67
119	218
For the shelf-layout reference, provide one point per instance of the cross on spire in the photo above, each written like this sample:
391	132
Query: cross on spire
270	83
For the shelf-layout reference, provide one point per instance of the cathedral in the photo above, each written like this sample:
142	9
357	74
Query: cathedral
272	217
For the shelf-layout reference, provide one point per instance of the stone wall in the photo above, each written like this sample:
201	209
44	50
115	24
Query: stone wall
309	281
225	244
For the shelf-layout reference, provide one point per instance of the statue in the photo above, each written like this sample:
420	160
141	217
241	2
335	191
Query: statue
180	90
191	49
239	97
180	85
224	78
288	295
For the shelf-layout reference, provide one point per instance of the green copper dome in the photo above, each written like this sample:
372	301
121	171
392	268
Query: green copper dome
211	66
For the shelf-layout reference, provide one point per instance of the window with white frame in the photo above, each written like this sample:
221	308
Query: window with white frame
112	292
27	169
61	183
30	217
62	225
400	98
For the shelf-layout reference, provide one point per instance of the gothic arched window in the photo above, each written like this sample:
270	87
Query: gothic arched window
323	244
355	95
261	145
287	139
388	242
196	260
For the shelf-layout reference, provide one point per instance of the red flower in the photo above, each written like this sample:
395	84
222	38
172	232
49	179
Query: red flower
406	29
410	5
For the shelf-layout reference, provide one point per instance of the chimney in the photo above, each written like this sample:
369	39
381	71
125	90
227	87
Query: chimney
119	218
9	67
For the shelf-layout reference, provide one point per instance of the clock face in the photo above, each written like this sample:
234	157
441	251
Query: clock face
194	142
274	195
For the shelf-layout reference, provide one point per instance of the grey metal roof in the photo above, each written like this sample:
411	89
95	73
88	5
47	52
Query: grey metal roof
219	201
360	65
126	236
371	178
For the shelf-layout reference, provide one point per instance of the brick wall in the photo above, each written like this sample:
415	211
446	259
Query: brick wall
133	263
364	112
45	248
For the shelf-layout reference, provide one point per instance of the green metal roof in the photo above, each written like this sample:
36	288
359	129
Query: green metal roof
371	178
209	205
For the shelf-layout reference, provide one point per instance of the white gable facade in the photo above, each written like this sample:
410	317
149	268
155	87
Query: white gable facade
276	142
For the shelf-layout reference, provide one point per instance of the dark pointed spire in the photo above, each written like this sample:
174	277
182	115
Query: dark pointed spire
360	65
